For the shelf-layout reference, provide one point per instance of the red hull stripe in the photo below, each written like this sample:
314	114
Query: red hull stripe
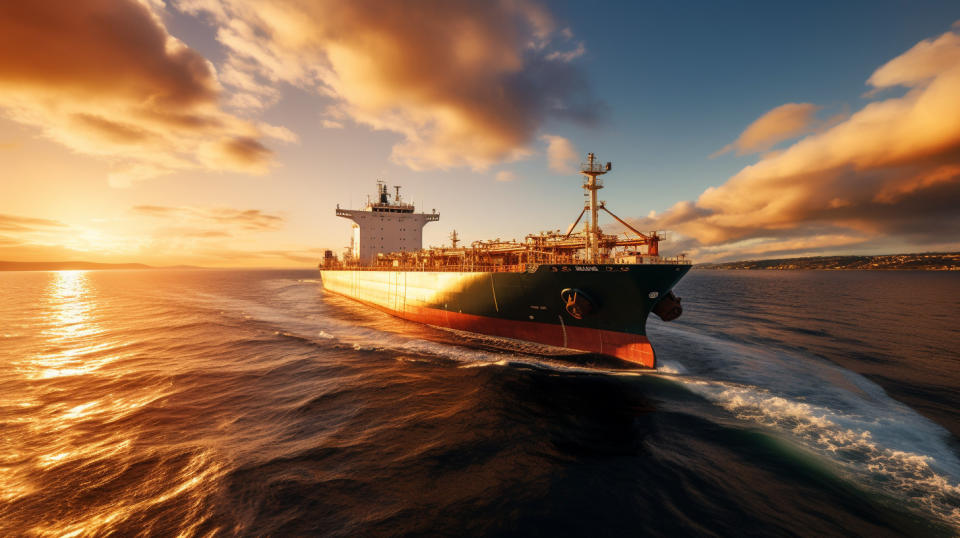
634	348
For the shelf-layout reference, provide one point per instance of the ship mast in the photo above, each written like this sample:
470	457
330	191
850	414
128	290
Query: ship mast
591	184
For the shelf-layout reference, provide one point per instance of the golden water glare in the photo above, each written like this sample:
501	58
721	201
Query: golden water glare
68	433
70	307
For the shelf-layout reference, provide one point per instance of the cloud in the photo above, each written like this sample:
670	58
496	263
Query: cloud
278	132
311	255
25	252
156	210
105	78
166	247
921	64
464	83
156	235
562	157
247	219
504	176
782	123
568	56
14	223
206	234
888	173
811	245
23	234
261	257
240	152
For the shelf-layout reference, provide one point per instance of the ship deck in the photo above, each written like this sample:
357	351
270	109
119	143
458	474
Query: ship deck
505	268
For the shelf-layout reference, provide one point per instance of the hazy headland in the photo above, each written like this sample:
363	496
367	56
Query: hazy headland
927	261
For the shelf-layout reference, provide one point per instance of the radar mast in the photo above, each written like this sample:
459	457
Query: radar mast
591	169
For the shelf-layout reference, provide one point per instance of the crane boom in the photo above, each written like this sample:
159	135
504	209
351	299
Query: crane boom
574	225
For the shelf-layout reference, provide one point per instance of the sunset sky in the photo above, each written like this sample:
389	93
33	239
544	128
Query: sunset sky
224	133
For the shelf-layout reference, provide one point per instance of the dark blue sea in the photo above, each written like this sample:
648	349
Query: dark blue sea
250	403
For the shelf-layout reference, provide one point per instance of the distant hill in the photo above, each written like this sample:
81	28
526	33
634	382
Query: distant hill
927	261
78	266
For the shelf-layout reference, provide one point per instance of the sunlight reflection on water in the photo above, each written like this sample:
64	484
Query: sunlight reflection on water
60	420
243	403
70	306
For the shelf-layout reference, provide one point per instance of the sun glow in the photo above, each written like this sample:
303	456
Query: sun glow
96	240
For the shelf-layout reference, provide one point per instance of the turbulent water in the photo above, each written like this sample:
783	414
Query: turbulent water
251	403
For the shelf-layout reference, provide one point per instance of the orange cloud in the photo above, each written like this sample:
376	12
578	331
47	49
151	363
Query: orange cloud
155	235
31	239
14	223
889	171
921	64
782	123
248	219
20	231
105	78
304	257
810	244
465	83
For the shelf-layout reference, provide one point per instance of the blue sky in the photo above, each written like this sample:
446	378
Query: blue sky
683	79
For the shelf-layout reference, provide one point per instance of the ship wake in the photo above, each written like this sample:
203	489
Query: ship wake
842	418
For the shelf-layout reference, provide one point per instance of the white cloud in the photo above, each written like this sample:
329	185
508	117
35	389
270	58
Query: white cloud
568	56
562	157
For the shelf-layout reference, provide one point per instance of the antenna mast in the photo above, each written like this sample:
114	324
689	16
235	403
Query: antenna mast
591	169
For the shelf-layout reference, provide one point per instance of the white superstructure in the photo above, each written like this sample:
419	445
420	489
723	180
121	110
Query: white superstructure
385	226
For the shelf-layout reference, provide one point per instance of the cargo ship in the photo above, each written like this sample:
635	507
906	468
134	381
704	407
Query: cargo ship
582	291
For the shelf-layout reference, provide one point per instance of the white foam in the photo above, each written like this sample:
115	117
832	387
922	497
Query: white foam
670	368
840	415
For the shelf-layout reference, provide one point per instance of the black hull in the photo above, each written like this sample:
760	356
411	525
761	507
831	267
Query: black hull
609	312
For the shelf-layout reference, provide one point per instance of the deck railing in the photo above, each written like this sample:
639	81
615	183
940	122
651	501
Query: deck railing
511	268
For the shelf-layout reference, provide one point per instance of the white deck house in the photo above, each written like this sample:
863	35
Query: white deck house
385	226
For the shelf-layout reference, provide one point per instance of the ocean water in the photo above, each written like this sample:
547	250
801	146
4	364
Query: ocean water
199	403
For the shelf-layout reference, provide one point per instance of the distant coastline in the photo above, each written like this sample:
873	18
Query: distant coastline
79	266
927	261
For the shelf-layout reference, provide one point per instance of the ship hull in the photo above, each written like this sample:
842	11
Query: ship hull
525	305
